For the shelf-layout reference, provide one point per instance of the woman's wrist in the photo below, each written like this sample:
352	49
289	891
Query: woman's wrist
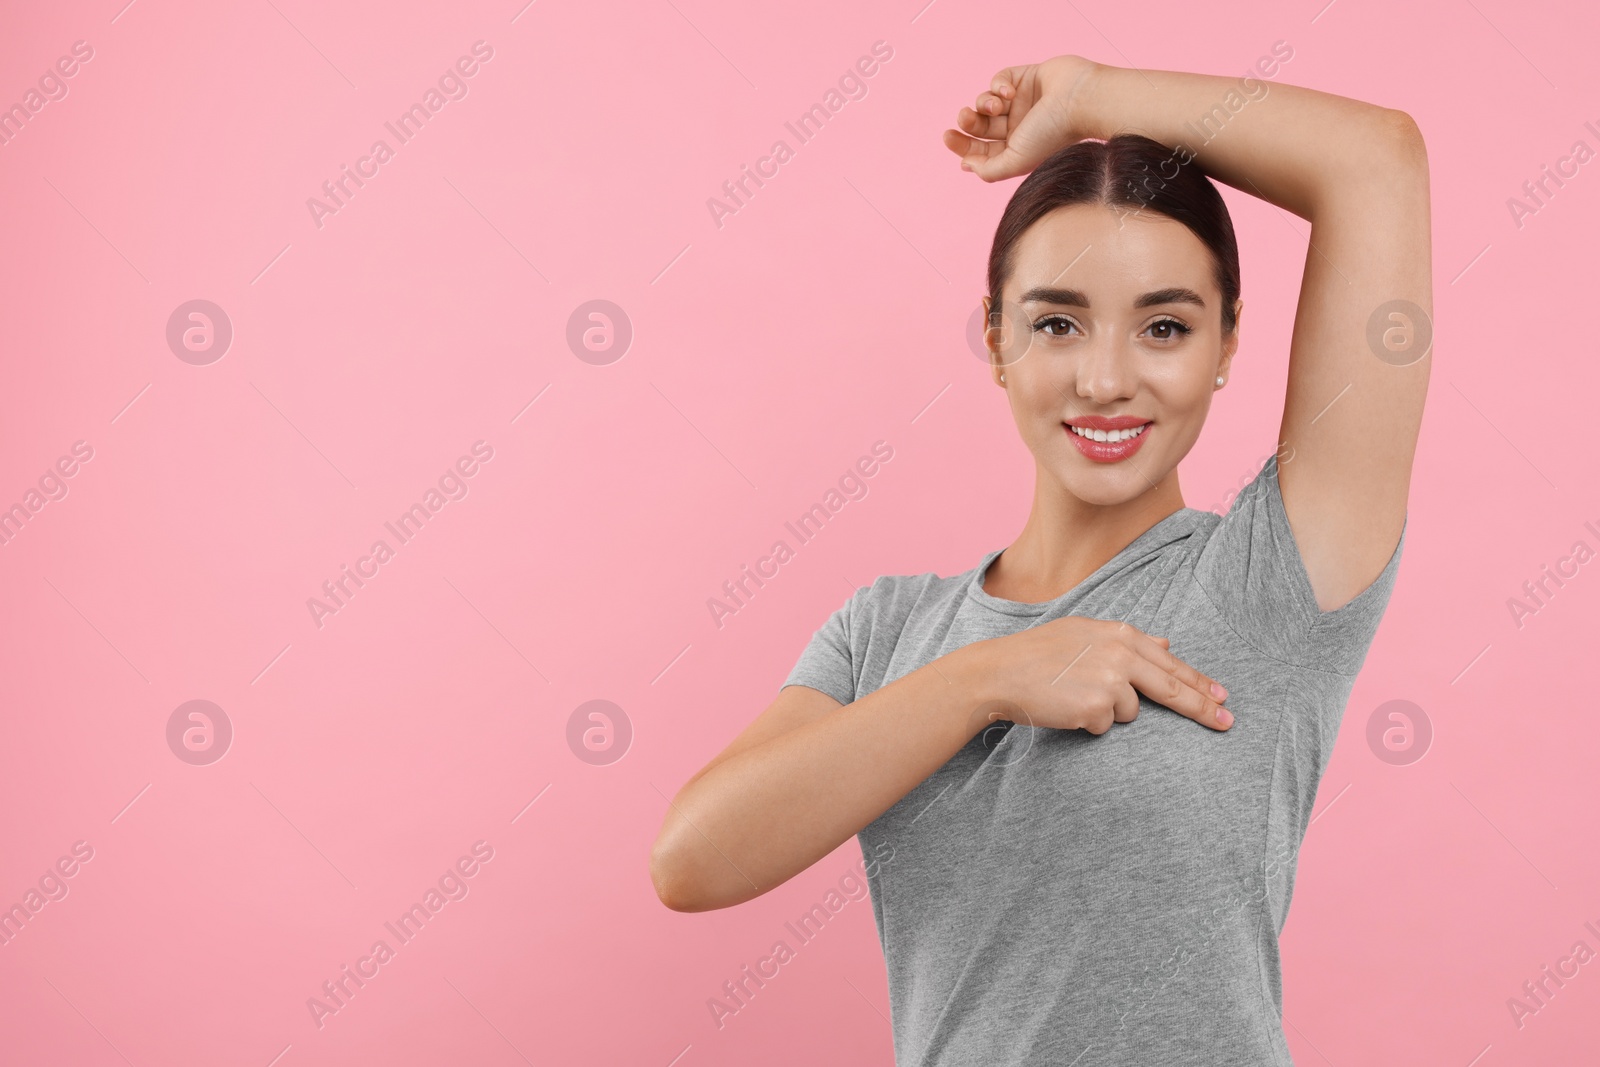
1080	101
974	671
1106	101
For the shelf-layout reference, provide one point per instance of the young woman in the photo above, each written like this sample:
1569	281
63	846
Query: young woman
1082	846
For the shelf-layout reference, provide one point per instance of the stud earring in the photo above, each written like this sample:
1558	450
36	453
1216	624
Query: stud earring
1002	377
1219	379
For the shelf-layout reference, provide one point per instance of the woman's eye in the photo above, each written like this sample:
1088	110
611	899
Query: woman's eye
1049	324
1169	329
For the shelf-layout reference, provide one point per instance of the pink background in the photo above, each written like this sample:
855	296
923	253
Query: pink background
767	355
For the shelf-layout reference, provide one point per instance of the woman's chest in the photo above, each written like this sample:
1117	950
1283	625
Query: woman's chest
1140	808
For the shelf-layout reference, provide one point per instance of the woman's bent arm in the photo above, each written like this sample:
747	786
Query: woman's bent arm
755	818
808	773
1359	359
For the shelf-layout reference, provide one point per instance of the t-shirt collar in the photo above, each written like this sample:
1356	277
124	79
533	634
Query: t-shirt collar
1175	527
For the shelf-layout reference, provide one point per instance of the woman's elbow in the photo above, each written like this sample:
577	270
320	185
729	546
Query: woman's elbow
1403	137
669	881
678	885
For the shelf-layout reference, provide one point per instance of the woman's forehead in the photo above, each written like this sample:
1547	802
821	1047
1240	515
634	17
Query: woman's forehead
1095	248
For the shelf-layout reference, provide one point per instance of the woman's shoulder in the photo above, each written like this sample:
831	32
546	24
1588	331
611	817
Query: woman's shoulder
1249	565
898	595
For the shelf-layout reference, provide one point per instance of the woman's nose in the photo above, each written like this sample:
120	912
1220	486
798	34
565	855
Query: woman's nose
1105	371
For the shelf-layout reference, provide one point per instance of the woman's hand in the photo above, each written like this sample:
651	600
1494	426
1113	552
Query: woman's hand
1077	673
1025	116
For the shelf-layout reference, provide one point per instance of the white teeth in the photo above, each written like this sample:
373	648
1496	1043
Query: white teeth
1109	435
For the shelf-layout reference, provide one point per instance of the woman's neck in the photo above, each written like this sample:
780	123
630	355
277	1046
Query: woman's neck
1066	539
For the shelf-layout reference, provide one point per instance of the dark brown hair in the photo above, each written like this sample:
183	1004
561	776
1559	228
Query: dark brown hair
1128	170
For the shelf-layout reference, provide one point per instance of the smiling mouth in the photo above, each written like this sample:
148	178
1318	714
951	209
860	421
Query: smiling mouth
1109	446
1108	436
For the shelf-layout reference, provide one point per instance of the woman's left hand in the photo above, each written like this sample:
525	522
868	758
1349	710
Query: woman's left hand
1026	115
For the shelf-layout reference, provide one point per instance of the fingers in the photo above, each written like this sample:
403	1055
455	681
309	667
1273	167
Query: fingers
1004	83
987	119
975	154
995	161
989	103
1165	687
963	146
989	127
1164	659
1125	707
1166	679
1200	683
1157	650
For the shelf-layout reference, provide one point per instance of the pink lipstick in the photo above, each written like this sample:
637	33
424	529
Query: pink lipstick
1107	440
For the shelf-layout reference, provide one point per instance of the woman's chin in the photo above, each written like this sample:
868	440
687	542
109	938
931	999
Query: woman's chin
1105	487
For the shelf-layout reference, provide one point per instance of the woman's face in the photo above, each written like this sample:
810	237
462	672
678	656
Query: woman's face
1110	314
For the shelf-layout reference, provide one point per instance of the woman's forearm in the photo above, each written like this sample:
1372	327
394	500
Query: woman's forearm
1295	147
755	820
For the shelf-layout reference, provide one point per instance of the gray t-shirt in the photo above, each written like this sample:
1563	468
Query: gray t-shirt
1053	897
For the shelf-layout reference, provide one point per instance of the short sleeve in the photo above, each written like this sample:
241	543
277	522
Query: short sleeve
827	663
1251	569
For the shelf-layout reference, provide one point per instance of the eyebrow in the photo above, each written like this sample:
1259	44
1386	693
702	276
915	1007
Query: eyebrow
1075	298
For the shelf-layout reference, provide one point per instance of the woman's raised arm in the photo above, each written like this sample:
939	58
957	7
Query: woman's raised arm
1359	357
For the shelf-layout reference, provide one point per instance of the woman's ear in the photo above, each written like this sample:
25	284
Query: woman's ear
991	346
1230	343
